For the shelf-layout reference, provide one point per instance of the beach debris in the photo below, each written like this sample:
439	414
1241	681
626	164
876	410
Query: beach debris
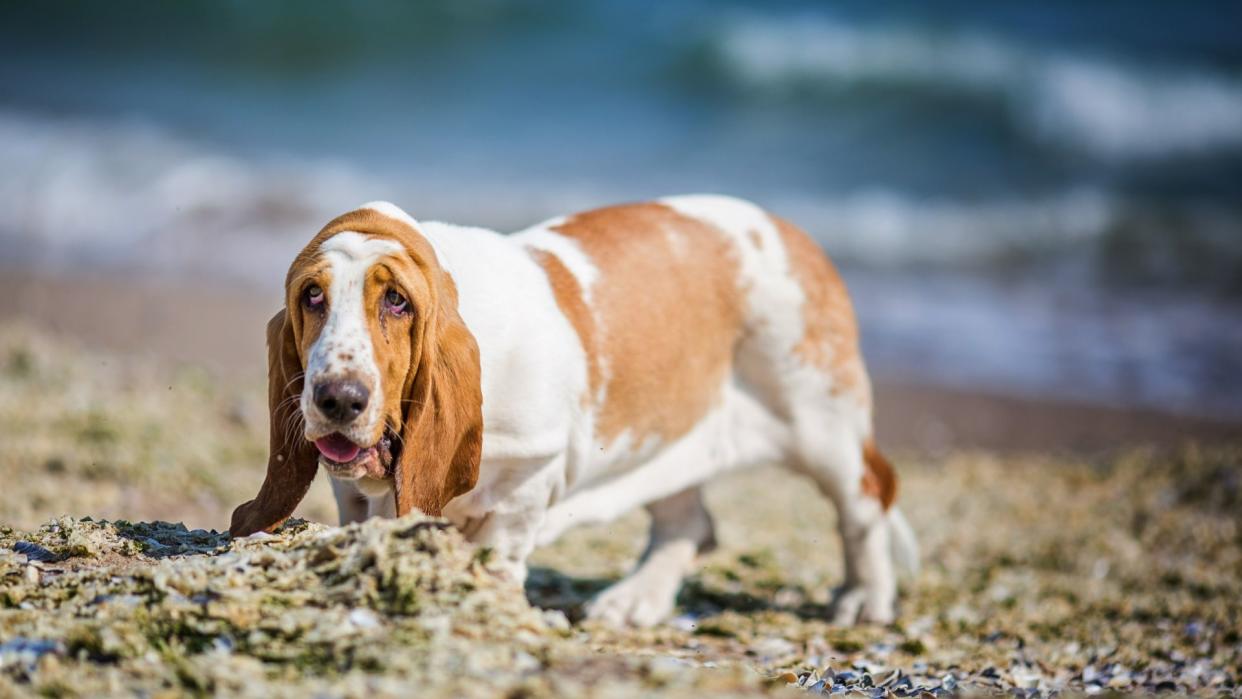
35	552
407	599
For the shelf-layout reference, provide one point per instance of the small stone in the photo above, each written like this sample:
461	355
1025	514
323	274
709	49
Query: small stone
556	619
773	647
364	619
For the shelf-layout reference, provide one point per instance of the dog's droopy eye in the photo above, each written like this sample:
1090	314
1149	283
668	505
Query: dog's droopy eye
313	296
395	302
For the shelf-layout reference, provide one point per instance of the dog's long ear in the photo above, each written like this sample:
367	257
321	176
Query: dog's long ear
292	461
443	432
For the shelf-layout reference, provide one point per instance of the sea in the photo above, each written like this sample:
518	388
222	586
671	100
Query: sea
1036	199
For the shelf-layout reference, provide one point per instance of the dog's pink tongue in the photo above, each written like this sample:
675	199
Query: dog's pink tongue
337	448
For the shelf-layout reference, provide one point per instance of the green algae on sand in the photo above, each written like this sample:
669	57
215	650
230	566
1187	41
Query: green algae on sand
390	605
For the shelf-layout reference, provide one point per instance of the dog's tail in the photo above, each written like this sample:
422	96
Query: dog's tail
904	545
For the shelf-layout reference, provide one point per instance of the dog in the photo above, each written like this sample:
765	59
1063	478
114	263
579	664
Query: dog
522	384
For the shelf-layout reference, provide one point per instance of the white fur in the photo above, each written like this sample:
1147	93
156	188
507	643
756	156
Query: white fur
343	348
543	469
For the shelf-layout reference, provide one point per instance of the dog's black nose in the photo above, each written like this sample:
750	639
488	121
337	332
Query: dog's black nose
341	400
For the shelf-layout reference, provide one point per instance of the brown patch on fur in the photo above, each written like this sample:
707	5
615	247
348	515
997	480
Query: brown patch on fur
392	336
830	338
669	313
443	430
879	480
570	299
292	461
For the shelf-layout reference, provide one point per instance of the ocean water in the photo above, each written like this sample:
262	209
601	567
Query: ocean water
1042	199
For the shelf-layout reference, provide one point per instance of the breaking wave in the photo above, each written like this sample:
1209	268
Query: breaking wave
131	194
1110	109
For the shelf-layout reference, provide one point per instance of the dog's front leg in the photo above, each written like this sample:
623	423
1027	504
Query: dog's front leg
681	530
351	504
505	515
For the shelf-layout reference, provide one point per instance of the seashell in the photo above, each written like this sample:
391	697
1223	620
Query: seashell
35	552
890	679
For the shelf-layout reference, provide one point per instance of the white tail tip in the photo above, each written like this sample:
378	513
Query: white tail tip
903	542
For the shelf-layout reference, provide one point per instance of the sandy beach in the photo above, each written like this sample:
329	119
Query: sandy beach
1065	546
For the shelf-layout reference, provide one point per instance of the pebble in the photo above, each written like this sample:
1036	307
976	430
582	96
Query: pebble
364	619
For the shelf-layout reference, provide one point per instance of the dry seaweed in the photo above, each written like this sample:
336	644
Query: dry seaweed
396	604
1041	574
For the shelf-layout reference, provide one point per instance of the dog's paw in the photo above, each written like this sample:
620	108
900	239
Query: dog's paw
635	601
860	605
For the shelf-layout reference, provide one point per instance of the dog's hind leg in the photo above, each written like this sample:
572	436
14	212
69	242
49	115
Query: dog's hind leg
681	529
860	483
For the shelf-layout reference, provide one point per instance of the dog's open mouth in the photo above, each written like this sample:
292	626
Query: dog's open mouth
343	458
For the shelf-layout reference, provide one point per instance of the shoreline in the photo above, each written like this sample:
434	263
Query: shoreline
220	326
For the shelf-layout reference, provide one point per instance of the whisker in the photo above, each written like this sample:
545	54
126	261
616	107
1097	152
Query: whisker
289	425
294	426
296	377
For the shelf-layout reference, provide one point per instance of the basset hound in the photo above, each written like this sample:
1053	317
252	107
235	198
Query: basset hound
522	384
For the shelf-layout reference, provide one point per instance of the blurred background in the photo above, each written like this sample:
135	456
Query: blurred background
1037	206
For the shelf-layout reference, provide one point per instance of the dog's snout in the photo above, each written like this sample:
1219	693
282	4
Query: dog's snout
341	400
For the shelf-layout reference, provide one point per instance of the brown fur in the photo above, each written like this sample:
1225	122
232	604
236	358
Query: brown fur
393	340
879	480
830	340
668	312
429	366
292	460
443	431
570	299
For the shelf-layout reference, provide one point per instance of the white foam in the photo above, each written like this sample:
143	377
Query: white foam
1106	108
883	228
1118	113
133	195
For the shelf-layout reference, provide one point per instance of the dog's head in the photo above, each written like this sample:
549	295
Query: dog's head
371	371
